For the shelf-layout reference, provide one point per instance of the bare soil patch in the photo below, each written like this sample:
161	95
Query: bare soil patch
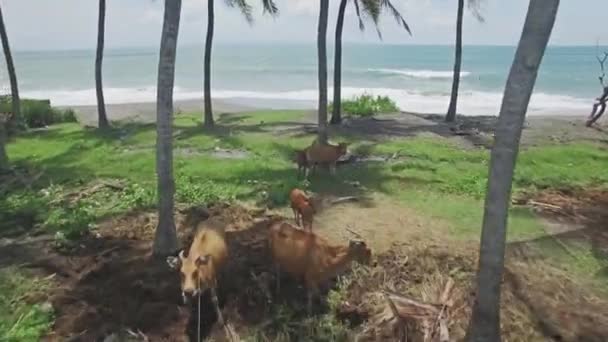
110	284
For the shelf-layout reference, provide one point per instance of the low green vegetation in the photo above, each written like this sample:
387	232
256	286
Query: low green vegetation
368	105
37	113
22	318
249	158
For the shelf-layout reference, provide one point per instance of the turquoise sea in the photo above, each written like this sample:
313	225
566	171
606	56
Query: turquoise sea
417	77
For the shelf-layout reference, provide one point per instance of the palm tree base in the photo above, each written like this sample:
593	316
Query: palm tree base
335	121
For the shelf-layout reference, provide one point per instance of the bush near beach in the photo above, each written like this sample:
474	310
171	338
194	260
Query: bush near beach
368	105
37	113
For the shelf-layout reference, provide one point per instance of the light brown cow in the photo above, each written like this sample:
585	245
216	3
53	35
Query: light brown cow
306	255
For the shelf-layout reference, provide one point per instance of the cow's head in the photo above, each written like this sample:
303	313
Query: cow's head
342	148
195	273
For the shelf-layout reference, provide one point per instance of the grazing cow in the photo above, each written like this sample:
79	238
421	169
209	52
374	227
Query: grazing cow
304	254
325	154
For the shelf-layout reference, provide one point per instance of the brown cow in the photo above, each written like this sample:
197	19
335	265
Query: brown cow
306	255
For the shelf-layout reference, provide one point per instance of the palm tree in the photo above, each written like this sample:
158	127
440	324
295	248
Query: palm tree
485	321
165	240
322	56
451	114
16	115
371	9
3	156
101	106
268	6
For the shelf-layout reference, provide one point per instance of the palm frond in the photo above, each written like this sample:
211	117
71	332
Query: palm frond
357	10
371	10
396	14
270	6
475	9
243	6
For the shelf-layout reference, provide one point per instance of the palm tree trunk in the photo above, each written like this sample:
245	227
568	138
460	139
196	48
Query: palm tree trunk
451	115
485	321
101	106
208	121
322	51
16	118
3	156
165	240
336	116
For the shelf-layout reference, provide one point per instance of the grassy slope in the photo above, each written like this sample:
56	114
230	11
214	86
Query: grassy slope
432	176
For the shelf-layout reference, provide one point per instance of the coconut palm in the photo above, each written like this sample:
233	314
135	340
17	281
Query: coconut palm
268	6
3	156
16	115
322	60
101	106
165	240
485	321
473	6
372	10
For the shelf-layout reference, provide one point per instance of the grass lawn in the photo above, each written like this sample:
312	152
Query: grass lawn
435	177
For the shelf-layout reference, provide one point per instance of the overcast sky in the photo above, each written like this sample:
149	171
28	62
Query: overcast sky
72	24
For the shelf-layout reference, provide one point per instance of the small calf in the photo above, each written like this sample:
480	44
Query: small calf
303	209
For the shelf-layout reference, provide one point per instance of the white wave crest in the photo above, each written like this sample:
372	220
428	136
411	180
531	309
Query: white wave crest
424	74
469	102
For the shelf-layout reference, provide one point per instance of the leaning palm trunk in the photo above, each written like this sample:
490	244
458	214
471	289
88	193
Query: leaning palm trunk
165	240
336	115
485	321
208	120
101	106
15	119
322	54
451	115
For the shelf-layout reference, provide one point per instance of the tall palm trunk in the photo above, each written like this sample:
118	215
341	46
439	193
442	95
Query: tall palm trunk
451	115
3	156
101	106
336	116
165	240
322	51
208	44
485	321
15	119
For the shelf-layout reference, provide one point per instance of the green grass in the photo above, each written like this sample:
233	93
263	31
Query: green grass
21	320
435	177
368	105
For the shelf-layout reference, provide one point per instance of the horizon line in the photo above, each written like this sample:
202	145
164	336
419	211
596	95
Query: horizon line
266	43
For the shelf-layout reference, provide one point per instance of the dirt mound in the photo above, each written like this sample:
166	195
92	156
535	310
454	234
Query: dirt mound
111	285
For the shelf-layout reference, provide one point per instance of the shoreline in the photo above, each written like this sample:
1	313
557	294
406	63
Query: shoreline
145	112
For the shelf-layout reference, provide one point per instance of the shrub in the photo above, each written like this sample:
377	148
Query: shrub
38	113
367	105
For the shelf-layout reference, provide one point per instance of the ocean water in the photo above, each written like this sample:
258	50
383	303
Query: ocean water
418	78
